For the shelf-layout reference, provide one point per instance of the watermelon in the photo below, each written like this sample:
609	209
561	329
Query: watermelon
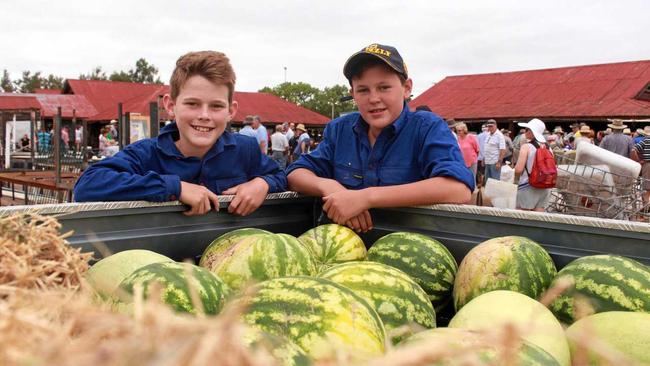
283	351
426	260
107	274
224	242
510	263
497	308
398	299
607	283
332	244
329	321
175	283
625	335
259	257
461	346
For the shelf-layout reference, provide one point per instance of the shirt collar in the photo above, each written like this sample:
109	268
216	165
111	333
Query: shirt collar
166	142
361	126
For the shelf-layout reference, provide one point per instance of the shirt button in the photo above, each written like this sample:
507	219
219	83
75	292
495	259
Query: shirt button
172	197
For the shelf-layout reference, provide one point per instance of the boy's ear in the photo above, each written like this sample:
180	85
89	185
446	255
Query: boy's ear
168	104
408	88
232	110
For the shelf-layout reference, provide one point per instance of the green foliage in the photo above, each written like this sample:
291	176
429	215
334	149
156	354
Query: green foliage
326	101
5	82
96	74
52	82
29	82
120	76
144	73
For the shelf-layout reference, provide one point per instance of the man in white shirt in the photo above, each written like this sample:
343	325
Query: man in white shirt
494	151
261	134
279	147
288	129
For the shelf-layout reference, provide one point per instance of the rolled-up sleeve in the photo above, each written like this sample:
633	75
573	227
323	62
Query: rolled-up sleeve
320	160
440	156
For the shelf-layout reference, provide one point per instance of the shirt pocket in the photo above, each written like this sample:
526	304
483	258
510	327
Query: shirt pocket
349	177
394	175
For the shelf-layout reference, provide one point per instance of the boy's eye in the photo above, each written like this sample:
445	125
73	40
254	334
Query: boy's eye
191	103
384	87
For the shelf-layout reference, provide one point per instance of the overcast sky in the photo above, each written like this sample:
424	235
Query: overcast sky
312	39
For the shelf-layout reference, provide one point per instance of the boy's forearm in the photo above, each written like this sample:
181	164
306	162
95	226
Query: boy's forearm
306	182
425	192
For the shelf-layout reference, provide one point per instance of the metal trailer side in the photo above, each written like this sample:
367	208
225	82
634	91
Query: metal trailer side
163	228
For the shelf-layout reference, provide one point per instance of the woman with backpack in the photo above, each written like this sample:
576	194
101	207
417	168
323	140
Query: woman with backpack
535	168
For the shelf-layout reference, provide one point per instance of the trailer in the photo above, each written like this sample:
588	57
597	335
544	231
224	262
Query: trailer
110	227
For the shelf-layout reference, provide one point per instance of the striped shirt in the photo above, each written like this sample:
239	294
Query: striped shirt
643	148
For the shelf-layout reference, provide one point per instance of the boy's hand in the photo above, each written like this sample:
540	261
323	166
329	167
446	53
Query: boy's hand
361	223
199	198
344	205
248	196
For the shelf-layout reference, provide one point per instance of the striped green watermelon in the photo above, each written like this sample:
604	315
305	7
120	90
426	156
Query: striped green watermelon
327	320
283	351
607	282
465	346
172	276
224	242
510	263
259	257
498	308
107	274
623	332
397	298
331	244
426	260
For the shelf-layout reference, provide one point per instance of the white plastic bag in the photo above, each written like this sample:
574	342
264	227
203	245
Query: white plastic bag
507	174
502	194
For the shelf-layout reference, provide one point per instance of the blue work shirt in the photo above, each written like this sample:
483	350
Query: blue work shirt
416	146
152	169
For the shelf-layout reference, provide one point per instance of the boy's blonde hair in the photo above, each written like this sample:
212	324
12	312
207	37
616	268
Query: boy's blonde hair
212	65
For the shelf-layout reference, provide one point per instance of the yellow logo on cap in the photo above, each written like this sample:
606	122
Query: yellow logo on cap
373	48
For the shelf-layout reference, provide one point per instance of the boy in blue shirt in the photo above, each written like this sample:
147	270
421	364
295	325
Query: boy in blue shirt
384	155
193	159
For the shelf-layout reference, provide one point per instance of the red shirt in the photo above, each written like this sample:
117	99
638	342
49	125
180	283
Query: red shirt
469	149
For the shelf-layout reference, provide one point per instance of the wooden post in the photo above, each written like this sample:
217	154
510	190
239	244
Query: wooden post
153	119
120	124
3	128
32	142
126	132
56	140
84	140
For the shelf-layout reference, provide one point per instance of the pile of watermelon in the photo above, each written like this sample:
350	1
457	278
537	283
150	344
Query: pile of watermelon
326	298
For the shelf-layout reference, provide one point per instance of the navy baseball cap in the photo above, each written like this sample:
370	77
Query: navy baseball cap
387	54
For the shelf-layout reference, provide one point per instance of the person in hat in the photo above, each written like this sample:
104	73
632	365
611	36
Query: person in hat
193	159
530	198
384	155
494	150
302	141
618	142
641	153
585	133
113	133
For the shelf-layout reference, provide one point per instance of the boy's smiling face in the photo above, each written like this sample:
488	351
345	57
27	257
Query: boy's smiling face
201	111
379	95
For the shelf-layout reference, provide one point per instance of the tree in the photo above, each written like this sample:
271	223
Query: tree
326	102
96	74
29	82
120	76
144	73
52	82
299	93
5	83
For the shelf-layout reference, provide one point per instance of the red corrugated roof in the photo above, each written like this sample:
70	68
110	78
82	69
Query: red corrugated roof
48	104
593	91
48	91
272	109
135	98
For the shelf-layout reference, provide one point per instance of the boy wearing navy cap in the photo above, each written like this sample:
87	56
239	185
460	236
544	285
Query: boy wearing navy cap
384	155
193	159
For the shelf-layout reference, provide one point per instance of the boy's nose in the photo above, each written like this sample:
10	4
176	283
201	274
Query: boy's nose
204	112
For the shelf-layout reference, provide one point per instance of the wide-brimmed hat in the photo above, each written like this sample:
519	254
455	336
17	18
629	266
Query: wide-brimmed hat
645	131
558	129
627	131
617	124
537	127
585	129
301	127
113	121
